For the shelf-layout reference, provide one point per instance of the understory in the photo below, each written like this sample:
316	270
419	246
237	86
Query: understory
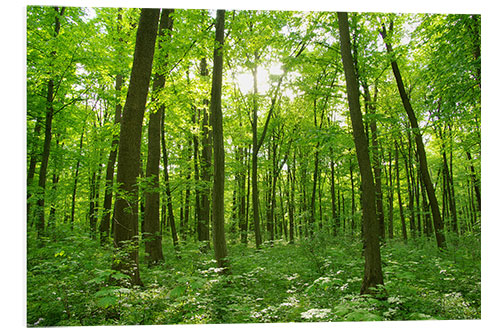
69	283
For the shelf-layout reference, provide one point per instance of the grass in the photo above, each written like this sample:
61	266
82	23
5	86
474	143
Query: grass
310	281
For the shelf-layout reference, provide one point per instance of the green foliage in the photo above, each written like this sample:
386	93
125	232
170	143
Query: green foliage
313	280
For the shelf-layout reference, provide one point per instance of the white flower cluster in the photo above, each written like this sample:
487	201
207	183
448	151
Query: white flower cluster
315	313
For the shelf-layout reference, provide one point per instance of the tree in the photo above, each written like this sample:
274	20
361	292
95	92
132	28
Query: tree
436	215
126	214
151	232
49	115
219	237
110	166
373	266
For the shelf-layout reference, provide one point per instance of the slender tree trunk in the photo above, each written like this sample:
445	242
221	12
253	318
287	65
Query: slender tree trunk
196	166
205	165
168	192
373	266
377	169
335	218
104	227
110	169
243	223
438	222
475	182
75	182
353	202
31	170
390	213
219	237
400	201
409	184
39	215
313	194
255	189
291	201
126	214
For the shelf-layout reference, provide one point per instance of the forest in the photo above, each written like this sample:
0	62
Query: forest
193	166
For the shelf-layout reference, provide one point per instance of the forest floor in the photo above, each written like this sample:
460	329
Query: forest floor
309	281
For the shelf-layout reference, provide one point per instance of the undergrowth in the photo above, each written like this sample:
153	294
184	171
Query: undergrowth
69	282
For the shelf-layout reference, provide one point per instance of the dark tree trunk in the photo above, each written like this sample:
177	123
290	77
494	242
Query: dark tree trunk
243	223
31	170
110	166
219	237
168	192
75	182
390	213
39	215
53	203
335	218
126	214
373	267
377	169
255	149
313	194
152	235
438	222
475	182
196	166
110	169
353	202
291	199
205	166
409	186
398	189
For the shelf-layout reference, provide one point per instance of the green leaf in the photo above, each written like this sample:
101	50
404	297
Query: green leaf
107	301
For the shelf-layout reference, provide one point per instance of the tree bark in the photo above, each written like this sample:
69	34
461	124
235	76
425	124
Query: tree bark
219	237
110	166
126	214
373	267
39	215
398	189
75	183
335	218
152	235
168	192
205	166
475	182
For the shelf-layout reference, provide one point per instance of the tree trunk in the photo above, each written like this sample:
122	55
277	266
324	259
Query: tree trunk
353	202
168	192
438	222
390	213
335	218
126	214
39	215
110	169
219	237
373	267
243	223
475	182
31	171
205	166
152	235
77	170
409	186
398	189
110	166
291	199
377	169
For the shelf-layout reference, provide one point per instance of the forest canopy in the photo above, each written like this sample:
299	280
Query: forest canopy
237	166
